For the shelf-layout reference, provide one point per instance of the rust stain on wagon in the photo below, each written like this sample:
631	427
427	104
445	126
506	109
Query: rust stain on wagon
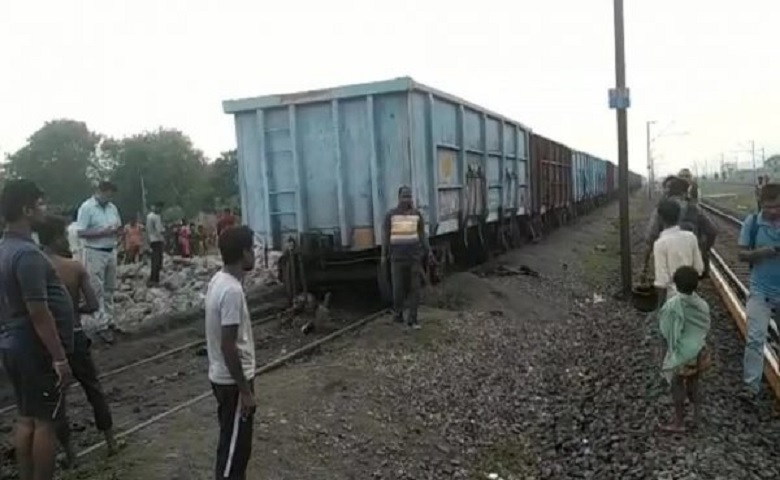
447	161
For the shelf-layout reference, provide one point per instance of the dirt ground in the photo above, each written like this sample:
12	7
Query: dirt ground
362	408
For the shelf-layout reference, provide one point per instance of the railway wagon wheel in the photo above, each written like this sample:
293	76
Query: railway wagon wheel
479	248
517	227
548	222
289	275
468	247
535	228
440	265
505	229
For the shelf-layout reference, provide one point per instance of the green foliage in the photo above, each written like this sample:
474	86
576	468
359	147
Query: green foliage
60	157
172	214
166	165
223	180
66	159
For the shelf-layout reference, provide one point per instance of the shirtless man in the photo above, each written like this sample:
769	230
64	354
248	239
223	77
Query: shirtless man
54	242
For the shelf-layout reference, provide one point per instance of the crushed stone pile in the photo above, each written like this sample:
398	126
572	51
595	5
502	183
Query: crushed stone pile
183	284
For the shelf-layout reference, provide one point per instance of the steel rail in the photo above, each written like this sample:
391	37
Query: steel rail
726	216
167	353
268	367
723	278
741	287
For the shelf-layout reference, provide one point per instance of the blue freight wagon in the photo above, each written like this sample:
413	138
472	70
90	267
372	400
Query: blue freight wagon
590	181
318	170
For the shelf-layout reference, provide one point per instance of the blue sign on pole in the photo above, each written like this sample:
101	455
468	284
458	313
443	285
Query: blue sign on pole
619	98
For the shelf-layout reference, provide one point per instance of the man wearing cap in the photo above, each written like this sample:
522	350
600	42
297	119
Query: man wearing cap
99	226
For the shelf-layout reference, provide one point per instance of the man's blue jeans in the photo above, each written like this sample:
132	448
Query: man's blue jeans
759	311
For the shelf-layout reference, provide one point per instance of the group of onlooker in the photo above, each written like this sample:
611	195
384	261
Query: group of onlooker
681	237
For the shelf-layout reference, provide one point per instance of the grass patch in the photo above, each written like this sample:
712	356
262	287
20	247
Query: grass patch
512	459
604	257
602	262
736	197
740	203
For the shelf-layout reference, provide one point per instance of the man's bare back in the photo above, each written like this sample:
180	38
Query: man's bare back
74	277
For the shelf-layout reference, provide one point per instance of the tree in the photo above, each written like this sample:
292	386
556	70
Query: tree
167	165
59	157
223	180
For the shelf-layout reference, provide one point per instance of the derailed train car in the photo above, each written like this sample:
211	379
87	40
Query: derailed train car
319	169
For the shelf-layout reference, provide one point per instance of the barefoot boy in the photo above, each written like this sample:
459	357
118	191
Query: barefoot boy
684	321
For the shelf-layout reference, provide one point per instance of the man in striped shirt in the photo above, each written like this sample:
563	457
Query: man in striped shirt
405	245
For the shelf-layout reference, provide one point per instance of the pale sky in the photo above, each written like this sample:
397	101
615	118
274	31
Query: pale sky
711	67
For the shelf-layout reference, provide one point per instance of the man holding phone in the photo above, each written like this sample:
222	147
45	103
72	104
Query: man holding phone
99	227
759	243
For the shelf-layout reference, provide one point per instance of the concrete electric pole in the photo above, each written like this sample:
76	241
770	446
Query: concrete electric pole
620	101
650	169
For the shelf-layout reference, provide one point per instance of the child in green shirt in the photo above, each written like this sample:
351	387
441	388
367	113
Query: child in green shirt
684	321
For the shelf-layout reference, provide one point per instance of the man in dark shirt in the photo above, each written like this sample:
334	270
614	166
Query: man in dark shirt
33	344
691	219
405	245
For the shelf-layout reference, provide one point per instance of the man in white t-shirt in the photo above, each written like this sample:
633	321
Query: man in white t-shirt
673	249
231	352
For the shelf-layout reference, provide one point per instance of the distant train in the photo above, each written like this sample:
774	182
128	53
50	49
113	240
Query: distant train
319	169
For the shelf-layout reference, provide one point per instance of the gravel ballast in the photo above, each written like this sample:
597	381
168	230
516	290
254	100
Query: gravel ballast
527	377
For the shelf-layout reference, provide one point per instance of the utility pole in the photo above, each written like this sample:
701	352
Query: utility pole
143	195
620	101
650	172
753	153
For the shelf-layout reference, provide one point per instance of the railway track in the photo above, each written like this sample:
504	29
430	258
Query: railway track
164	355
730	277
147	390
264	368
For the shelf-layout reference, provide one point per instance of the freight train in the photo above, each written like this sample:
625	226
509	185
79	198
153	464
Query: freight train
319	169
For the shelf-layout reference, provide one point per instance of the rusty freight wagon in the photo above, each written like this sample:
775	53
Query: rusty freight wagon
552	190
